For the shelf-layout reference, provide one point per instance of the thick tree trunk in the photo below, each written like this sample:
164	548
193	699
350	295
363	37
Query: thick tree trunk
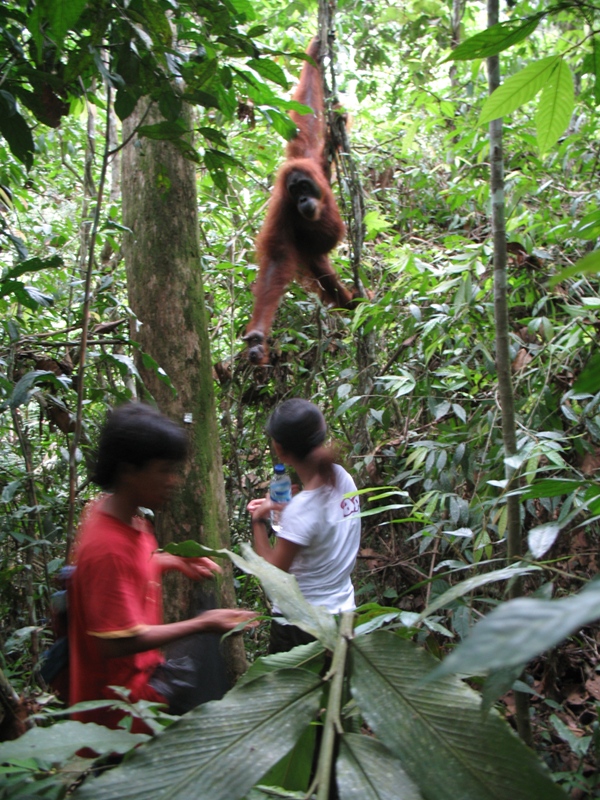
166	294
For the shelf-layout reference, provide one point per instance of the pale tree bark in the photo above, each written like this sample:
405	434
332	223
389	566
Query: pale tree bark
162	255
503	362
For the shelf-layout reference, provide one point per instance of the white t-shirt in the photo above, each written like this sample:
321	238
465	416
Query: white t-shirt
326	524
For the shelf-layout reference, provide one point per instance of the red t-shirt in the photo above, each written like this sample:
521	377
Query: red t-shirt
115	592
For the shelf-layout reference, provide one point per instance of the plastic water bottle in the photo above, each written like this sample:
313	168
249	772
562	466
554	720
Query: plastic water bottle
280	491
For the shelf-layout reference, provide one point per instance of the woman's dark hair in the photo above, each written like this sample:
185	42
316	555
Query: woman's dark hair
300	428
135	434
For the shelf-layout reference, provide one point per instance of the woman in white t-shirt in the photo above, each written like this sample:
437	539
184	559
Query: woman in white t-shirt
320	527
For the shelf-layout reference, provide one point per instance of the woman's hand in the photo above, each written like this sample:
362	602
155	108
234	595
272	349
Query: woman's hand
262	507
194	568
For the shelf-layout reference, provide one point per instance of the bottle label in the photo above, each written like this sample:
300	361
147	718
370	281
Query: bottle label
281	492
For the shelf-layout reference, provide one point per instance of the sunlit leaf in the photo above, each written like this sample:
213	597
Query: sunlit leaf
270	70
541	538
556	106
495	39
518	89
62	16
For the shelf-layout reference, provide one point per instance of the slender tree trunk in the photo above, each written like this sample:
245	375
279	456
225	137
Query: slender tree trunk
503	363
458	9
166	294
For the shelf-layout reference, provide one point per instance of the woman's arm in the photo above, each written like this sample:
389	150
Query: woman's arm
282	552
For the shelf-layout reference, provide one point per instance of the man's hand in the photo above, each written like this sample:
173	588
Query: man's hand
226	619
194	568
220	620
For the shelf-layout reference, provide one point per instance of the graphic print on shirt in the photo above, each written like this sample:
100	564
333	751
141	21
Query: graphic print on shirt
350	505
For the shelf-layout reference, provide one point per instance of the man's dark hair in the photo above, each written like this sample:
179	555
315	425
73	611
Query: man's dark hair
135	434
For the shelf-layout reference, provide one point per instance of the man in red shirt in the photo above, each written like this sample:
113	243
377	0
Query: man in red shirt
115	602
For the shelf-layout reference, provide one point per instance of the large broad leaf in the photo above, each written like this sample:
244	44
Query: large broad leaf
270	70
22	391
447	747
588	265
59	742
516	631
495	39
518	89
283	590
556	106
221	749
32	265
366	770
589	380
553	487
63	16
308	656
464	587
17	133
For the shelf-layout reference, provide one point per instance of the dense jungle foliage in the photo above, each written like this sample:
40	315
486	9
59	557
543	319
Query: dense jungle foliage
407	380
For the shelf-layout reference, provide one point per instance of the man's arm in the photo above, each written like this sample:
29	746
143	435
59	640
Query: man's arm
153	636
194	568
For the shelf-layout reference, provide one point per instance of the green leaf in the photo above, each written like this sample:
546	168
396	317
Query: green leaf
464	587
169	105
596	69
308	656
200	98
437	731
125	102
588	265
589	227
60	741
33	297
366	770
214	136
494	40
164	130
193	549
552	487
156	22
293	772
269	70
556	106
518	89
283	590
32	265
22	390
16	131
541	538
517	631
221	749
589	380
497	684
62	17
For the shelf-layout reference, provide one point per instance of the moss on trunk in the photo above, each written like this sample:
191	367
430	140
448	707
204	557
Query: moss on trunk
166	295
